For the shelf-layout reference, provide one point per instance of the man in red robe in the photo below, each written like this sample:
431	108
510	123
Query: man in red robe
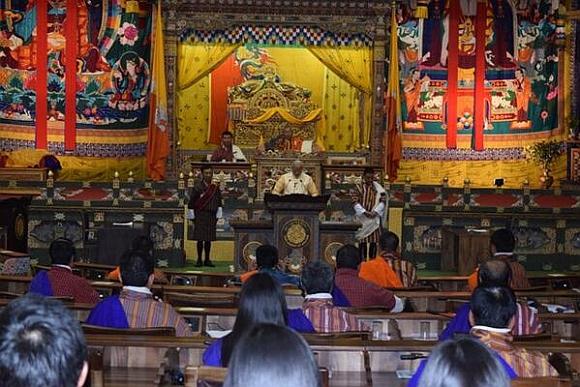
227	151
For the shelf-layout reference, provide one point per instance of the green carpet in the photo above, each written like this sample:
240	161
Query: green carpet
220	267
224	267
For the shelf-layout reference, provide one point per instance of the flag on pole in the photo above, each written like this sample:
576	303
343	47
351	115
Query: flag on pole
157	138
393	106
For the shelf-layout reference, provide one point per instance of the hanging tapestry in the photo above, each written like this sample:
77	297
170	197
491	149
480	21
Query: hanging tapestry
479	79
75	76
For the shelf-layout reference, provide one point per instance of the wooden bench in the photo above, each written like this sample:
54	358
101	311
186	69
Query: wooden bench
541	382
217	375
338	347
96	353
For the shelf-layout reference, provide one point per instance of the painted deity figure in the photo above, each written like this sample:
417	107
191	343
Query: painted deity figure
131	81
412	88
9	41
523	90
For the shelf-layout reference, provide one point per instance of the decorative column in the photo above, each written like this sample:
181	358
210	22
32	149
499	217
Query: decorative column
377	146
169	17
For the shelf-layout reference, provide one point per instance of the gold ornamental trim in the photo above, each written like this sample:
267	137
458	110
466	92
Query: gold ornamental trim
296	233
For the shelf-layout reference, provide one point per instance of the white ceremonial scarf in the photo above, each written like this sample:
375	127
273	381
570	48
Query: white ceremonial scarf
369	225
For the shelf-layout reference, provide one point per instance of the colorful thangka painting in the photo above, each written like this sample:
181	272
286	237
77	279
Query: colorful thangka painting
112	75
520	87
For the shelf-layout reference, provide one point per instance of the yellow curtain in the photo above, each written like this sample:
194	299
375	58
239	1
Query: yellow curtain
340	131
78	168
195	61
287	116
193	115
480	173
354	65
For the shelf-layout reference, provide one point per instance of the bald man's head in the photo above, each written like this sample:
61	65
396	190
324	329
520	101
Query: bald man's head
297	167
494	273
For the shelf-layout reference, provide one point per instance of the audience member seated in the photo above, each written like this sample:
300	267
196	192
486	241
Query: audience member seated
272	355
495	273
228	151
144	244
359	292
380	269
502	245
492	317
261	301
267	261
41	345
462	362
317	280
135	306
60	281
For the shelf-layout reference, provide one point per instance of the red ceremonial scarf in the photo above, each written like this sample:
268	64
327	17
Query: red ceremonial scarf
205	197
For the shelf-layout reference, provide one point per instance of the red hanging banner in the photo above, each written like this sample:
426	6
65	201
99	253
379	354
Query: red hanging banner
225	76
41	74
71	50
479	97
452	73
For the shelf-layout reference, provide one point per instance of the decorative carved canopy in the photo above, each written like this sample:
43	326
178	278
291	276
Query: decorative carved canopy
255	98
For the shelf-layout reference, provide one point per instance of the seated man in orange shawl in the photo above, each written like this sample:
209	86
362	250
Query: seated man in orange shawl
285	141
379	270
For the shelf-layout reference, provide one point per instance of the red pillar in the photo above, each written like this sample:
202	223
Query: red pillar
452	73
479	109
71	49
42	75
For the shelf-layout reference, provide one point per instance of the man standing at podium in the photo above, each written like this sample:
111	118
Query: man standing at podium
295	182
369	207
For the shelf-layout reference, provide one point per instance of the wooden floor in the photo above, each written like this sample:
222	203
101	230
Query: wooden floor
133	377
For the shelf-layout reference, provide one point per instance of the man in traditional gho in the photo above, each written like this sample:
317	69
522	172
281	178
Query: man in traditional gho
205	208
369	207
227	150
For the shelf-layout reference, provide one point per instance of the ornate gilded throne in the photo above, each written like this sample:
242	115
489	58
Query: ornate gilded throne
259	109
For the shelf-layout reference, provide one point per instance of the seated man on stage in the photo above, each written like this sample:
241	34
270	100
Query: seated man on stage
228	151
60	281
135	306
287	142
295	182
502	245
495	273
370	208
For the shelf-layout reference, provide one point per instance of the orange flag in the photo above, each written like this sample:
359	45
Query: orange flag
393	106
157	138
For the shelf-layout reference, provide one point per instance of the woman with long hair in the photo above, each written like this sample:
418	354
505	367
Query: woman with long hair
261	301
271	355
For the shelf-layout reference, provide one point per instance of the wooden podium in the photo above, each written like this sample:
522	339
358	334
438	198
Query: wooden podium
295	229
462	249
296	220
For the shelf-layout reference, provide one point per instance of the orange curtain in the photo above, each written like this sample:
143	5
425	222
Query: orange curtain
158	139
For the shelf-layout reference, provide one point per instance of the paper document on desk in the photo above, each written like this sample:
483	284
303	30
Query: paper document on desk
121	224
